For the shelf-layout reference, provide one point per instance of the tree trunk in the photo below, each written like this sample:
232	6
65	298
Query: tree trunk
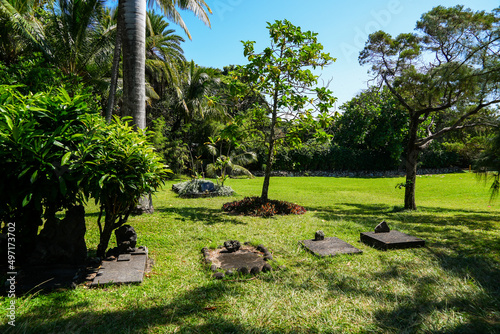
267	174
134	60
109	223
411	165
116	66
271	142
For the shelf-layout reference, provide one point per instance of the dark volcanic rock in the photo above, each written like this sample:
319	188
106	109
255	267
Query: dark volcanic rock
255	270
319	235
267	267
382	228
232	245
219	275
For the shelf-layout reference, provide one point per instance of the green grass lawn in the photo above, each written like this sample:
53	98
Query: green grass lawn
450	286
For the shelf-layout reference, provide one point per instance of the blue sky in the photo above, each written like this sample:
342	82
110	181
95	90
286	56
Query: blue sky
342	27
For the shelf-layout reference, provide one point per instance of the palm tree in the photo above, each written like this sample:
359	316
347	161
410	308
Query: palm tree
131	18
192	94
164	54
20	28
78	35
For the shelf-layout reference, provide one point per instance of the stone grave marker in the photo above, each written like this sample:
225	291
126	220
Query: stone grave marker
383	238
126	269
322	246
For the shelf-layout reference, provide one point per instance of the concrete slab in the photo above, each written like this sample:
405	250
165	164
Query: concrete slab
329	247
391	240
122	271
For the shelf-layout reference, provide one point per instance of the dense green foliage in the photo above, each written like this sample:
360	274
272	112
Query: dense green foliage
56	152
38	134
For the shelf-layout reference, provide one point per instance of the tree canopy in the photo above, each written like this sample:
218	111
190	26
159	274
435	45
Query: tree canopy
450	65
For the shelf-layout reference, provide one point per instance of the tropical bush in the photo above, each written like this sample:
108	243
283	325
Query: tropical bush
37	135
56	152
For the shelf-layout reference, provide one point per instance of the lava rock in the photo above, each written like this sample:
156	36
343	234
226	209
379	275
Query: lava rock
213	267
244	270
255	270
229	272
219	275
268	256
261	248
267	267
319	235
232	245
382	228
204	250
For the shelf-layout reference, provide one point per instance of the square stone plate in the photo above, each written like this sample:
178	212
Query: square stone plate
329	247
127	269
391	240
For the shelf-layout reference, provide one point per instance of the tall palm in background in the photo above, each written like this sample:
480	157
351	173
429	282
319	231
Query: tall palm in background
164	55
80	33
131	29
20	29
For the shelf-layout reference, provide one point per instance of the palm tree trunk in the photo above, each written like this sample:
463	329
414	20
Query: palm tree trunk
134	60
116	66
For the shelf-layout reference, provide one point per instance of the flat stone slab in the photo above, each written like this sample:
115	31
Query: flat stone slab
329	247
122	270
391	240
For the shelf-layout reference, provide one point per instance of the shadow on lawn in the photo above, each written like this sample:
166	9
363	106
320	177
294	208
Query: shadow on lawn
465	244
196	311
206	215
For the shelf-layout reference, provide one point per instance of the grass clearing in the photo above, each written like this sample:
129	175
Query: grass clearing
452	285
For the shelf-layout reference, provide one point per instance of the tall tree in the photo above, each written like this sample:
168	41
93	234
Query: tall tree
77	35
126	12
451	65
134	60
282	77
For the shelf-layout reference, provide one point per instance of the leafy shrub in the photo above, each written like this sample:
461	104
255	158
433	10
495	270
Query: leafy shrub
118	166
38	178
256	206
56	152
193	188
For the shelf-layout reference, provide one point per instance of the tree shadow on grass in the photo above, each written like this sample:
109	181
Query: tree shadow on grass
206	215
199	310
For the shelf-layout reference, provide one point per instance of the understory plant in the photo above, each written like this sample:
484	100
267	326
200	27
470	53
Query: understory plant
119	167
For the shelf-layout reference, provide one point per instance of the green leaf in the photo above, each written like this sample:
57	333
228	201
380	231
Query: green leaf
27	199
34	176
65	158
101	181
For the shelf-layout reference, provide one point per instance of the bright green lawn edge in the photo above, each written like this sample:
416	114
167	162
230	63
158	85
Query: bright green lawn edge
451	285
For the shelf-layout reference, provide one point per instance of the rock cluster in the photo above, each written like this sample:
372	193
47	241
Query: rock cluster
232	245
